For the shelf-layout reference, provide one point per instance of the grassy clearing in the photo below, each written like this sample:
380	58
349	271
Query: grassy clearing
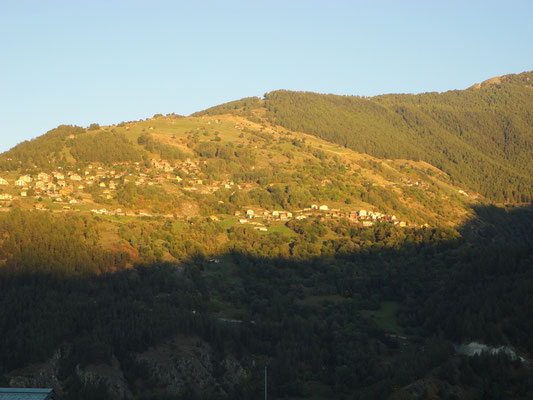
280	229
227	222
386	317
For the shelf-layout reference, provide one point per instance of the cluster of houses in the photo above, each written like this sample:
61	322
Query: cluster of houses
58	185
365	217
73	187
410	182
63	185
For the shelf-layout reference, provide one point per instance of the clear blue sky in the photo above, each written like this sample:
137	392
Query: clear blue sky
78	62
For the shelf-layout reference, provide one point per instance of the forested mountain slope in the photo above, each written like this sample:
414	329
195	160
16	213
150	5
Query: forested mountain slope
481	136
177	257
221	165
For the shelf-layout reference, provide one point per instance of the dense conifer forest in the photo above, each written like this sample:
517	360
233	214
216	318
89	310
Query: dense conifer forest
307	310
481	136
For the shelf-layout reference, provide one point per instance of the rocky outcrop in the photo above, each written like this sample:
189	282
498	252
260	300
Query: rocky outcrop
187	363
177	365
47	375
109	374
40	375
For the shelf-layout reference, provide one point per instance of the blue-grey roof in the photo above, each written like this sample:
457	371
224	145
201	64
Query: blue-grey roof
27	394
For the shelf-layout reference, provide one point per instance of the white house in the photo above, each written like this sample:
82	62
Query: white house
26	178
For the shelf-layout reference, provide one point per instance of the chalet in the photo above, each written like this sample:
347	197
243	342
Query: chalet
243	221
314	207
40	185
23	194
61	183
363	213
102	185
20	182
26	178
44	177
27	394
5	196
250	213
275	214
58	175
323	207
237	213
368	223
3	182
76	177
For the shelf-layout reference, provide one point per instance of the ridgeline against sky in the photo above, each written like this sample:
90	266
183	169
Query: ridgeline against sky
106	62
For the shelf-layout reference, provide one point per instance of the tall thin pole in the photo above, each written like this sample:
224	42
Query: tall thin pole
266	383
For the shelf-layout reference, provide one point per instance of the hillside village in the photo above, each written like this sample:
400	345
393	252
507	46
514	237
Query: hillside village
94	189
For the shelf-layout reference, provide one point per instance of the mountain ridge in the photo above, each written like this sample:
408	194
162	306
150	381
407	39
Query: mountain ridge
471	134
